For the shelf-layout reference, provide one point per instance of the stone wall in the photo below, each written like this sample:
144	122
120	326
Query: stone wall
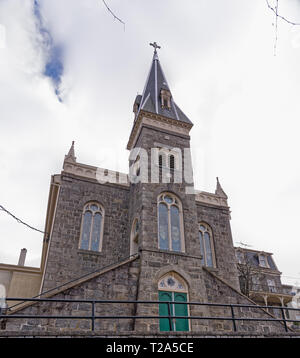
218	219
117	284
66	261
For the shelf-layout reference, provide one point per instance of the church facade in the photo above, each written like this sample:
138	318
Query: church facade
148	235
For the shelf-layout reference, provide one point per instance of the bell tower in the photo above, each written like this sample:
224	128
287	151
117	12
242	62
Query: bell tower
162	198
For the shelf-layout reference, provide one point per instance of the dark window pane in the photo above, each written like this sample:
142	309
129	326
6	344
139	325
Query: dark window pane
96	232
86	230
175	229
209	261
201	247
163	227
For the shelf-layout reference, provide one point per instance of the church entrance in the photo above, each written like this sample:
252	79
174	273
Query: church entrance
178	324
172	287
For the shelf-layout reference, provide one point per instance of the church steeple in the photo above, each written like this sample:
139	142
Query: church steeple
157	101
157	97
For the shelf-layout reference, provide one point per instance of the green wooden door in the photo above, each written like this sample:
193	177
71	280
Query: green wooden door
164	323
180	324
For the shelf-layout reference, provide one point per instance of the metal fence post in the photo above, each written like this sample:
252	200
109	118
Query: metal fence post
93	315
233	319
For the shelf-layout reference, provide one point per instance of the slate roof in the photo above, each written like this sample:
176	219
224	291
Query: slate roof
254	260
151	101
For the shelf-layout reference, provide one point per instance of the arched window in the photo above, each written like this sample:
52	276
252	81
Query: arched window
206	245
134	238
171	287
92	227
170	223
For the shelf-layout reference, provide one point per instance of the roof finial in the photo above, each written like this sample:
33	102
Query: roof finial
219	191
155	45
71	155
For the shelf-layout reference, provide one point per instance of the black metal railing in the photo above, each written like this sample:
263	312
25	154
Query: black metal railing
93	317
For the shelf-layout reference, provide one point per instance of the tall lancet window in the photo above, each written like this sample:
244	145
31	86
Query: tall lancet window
170	223
92	227
206	245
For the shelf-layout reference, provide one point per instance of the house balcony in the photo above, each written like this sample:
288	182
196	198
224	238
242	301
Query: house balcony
271	295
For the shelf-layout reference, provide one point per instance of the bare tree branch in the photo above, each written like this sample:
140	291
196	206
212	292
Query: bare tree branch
275	10
115	17
276	27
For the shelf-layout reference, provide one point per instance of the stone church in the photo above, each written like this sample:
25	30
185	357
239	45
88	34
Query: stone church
148	235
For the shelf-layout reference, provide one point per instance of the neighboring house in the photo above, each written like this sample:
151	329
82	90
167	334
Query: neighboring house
263	279
153	237
25	281
20	280
295	303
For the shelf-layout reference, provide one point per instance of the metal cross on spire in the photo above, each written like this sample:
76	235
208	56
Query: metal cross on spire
155	45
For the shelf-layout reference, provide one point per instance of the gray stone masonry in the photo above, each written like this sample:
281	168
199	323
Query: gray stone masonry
66	261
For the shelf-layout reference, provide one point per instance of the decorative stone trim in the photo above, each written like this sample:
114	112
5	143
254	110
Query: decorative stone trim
88	171
173	253
210	198
158	121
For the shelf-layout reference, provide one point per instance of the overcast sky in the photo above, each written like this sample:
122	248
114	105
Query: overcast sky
69	71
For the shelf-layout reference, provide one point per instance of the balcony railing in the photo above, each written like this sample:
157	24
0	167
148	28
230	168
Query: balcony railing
272	289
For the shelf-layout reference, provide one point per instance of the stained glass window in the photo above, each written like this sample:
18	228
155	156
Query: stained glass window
206	245
201	247
92	225
170	227
172	282
163	227
175	228
86	230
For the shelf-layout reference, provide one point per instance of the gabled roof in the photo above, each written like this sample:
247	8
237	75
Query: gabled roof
151	101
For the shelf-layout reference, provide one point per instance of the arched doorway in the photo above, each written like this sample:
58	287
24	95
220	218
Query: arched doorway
172	287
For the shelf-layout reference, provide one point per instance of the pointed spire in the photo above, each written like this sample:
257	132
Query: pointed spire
157	97
219	191
70	157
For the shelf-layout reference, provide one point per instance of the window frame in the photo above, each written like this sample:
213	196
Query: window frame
100	210
208	229
166	154
177	203
271	283
263	257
